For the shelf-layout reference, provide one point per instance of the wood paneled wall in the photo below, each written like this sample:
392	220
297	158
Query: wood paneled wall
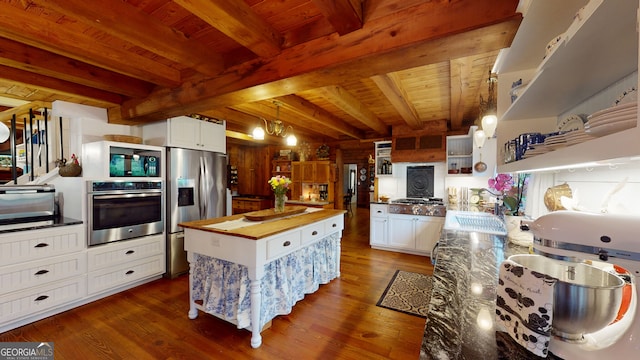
254	166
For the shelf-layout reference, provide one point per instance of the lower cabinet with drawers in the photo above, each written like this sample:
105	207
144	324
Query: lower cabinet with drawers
121	263
46	271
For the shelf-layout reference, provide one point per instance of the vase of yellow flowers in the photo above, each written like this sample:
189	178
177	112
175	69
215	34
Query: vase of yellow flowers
280	186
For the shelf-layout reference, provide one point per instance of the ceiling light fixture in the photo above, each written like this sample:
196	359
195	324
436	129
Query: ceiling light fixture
277	128
488	109
479	137
4	132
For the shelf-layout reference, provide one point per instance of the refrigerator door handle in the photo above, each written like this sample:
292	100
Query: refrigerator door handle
201	182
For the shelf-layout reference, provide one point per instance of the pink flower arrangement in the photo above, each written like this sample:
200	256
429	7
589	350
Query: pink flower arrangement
513	190
501	183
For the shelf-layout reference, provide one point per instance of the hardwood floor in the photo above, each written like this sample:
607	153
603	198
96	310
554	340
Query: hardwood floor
339	321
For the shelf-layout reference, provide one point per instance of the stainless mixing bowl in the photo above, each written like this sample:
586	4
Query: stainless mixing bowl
585	299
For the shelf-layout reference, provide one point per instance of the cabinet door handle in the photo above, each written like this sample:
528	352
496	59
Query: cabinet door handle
41	297
314	233
286	243
130	252
129	272
334	225
40	245
41	272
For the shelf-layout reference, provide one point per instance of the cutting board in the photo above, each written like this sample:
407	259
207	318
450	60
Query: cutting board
269	214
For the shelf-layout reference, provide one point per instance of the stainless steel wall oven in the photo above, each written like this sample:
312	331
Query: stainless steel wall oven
122	209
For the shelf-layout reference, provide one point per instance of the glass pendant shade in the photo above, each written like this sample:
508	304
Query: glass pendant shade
292	140
479	137
258	133
489	123
4	132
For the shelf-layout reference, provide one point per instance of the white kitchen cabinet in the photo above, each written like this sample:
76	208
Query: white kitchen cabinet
41	272
117	264
460	154
427	232
378	225
598	49
413	234
384	167
46	271
402	231
187	132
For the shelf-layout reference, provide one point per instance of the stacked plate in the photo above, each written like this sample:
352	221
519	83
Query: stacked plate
613	119
538	149
555	141
577	136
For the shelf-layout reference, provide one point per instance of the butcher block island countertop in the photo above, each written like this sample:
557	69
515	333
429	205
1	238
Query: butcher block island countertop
238	225
248	272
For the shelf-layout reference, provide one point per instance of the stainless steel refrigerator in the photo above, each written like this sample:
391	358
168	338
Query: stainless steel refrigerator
196	189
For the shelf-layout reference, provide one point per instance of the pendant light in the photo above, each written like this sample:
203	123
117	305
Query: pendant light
4	132
488	109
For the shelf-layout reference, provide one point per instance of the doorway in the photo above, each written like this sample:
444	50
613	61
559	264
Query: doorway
350	181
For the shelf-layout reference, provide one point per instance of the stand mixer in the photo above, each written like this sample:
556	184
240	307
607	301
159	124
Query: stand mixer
609	242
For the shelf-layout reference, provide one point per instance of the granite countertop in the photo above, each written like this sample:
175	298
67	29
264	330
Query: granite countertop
465	279
38	224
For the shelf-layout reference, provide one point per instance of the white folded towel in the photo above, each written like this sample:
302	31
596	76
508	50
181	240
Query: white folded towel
525	306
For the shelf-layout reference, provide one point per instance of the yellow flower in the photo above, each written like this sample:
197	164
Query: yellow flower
279	184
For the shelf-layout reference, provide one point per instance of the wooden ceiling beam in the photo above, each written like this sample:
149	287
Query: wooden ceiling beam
136	27
16	24
460	71
344	15
311	112
341	98
24	57
391	87
63	87
20	111
261	110
384	45
239	22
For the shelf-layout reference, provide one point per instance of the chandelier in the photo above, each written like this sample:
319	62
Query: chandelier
488	109
277	128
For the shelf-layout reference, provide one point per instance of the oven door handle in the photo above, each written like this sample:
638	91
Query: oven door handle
120	196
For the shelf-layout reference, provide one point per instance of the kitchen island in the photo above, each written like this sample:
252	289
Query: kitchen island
460	321
247	272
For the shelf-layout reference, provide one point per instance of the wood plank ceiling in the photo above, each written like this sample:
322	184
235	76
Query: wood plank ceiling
339	69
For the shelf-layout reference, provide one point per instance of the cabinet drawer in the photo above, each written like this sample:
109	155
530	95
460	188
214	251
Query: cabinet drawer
122	252
282	245
334	224
378	210
105	279
18	247
40	272
36	300
313	232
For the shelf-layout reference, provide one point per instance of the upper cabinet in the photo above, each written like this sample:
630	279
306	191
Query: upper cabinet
187	132
383	158
596	45
460	153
